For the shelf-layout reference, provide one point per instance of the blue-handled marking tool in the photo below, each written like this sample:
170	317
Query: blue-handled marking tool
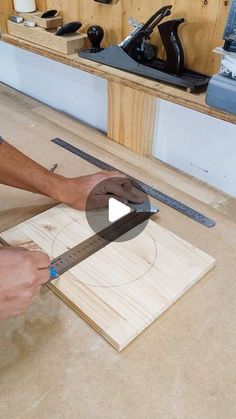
53	273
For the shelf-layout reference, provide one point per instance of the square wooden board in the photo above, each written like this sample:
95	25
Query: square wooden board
124	287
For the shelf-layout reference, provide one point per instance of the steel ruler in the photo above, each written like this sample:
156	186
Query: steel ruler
96	242
149	190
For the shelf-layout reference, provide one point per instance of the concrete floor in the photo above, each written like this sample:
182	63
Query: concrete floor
53	365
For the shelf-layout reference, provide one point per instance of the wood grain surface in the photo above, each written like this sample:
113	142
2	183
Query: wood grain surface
131	118
124	287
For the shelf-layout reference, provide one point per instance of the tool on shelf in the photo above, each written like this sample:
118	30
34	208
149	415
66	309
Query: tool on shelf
16	19
139	47
68	28
49	14
134	44
174	51
104	1
29	24
138	55
95	35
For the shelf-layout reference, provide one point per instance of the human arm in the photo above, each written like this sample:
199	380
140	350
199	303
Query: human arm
18	170
22	273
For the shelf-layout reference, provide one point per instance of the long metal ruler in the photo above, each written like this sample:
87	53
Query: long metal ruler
96	242
149	190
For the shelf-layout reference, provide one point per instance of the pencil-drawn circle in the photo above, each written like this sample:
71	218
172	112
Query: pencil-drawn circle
105	269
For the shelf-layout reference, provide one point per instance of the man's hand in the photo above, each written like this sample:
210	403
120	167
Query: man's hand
22	274
99	188
18	170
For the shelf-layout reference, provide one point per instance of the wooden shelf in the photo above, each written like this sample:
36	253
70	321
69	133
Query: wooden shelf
157	89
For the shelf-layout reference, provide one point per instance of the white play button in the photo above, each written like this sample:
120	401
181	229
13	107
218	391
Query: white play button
117	210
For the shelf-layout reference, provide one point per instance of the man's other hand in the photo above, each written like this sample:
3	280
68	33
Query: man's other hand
22	273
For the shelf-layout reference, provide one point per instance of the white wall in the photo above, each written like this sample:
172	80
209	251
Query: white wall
67	89
198	144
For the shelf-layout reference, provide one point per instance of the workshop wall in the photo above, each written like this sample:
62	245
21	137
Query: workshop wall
205	148
205	20
39	77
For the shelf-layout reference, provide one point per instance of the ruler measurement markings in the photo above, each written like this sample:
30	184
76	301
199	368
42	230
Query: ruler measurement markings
97	242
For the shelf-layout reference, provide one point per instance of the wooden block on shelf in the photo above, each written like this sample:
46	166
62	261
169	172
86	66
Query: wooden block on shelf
48	23
68	44
124	287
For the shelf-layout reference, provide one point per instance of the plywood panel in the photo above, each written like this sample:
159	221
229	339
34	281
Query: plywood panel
6	8
41	4
203	31
91	12
123	288
131	118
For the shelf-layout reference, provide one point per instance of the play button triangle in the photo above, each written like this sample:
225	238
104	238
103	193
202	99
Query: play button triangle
117	210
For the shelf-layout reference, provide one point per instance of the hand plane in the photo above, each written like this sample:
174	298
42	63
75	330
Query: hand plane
138	45
137	54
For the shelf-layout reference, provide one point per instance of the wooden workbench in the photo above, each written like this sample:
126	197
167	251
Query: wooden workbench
53	365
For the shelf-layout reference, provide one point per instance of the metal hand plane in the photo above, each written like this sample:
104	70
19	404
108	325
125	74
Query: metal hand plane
138	46
138	55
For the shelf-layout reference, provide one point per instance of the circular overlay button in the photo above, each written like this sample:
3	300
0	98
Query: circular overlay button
115	195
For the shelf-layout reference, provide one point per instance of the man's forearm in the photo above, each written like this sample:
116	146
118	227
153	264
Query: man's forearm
18	170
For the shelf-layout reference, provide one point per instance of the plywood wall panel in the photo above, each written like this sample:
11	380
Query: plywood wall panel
131	118
41	4
6	7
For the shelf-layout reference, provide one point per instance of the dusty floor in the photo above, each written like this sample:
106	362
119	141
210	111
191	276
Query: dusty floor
53	365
